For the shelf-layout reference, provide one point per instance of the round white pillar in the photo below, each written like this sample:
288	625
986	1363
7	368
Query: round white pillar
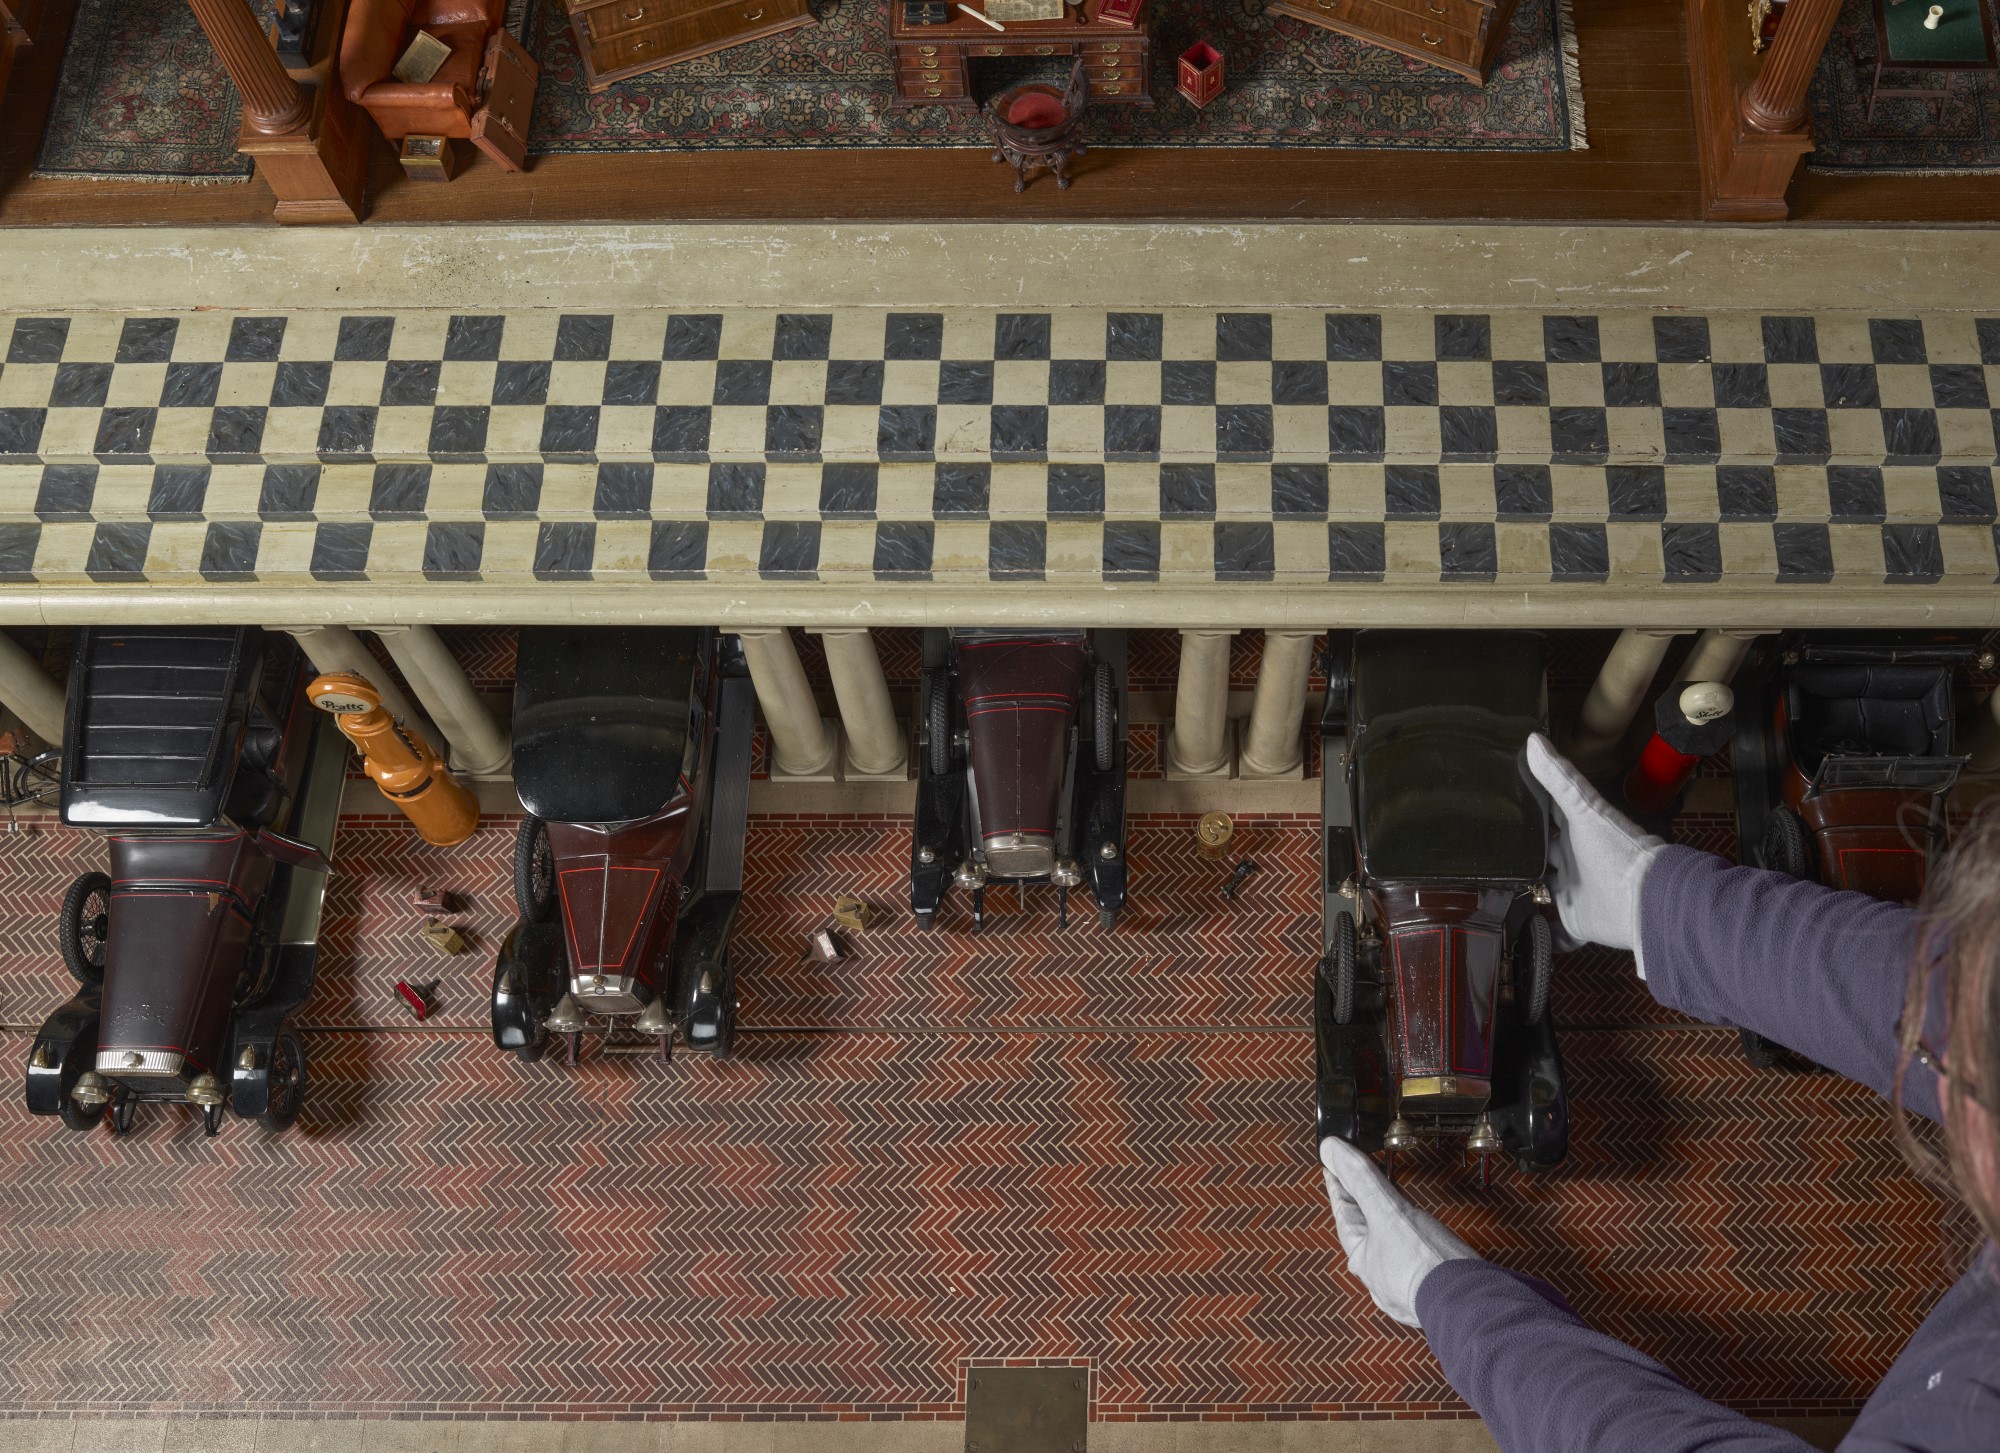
874	742
479	748
28	693
1274	741
336	648
801	746
1717	655
1616	695
1199	746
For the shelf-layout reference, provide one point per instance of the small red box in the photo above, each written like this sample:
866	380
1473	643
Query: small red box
1200	73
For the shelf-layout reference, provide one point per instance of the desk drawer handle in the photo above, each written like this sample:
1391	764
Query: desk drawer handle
1435	9
757	14
639	14
1113	90
1045	50
995	50
1430	39
926	50
932	91
1111	76
1109	45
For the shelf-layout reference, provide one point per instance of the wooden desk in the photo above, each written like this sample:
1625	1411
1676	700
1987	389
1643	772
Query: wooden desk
1963	41
933	62
1460	35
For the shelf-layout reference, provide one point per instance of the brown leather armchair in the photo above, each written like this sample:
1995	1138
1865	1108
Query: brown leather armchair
483	92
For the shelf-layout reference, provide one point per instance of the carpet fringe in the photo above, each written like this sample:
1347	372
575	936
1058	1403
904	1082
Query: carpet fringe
151	179
1903	171
1572	75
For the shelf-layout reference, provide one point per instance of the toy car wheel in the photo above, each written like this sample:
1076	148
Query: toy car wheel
937	727
1338	967
725	1024
76	1117
1535	965
1107	919
1757	1049
1783	849
287	1081
534	872
122	1108
1104	722
85	927
211	1120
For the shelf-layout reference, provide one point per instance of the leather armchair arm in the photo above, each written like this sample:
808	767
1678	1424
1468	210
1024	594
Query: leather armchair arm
446	100
371	43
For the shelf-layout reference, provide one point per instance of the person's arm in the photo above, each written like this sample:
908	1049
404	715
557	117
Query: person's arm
1818	971
1543	1382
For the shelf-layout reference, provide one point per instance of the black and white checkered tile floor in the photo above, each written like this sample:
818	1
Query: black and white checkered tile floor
1076	445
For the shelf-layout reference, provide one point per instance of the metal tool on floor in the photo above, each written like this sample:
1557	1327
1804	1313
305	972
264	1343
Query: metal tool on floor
1243	870
421	998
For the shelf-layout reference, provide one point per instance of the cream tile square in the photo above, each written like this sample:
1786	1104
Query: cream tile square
747	333
734	547
1735	337
1523	432
846	548
1795	386
1857	554
1021	381
1749	552
1904	385
122	492
1243	491
635	335
1355	492
531	334
623	547
791	491
1635	553
514	430
456	492
69	434
344	490
849	430
968	335
404	433
139	385
1187	550
857	333
1243	382
1298	335
1410	551
510	548
1187	431
1576	385
421	333
1691	492
576	383
680	491
1966	434
1187	334
1517	334
1132	491
1636	435
569	491
63	548
355	383
1626	337
291	434
1465	383
1521	550
1951	338
1855	434
735	431
1076	333
687	383
1910	492
910	381
1076	431
1968	551
1299	550
959	547
1074	548
1298	431
1843	338
962	429
1127	383
1465	491
1577	492
1412	433
310	337
1687	385
1019	491
396	547
27	385
904	491
181	432
798	381
93	337
466	383
625	432
174	547
1746	434
246	384
1409	333
1802	493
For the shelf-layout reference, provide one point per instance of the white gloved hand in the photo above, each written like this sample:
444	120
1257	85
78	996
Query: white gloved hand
1598	858
1391	1246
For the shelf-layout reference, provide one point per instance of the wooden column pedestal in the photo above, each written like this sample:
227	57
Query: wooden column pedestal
1750	118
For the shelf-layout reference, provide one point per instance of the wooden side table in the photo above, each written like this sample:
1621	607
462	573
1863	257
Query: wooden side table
1963	41
933	62
1460	35
621	38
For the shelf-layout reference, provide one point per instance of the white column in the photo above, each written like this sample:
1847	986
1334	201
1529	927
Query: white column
1616	695
801	746
1274	741
336	648
873	743
1199	744
28	693
1717	654
479	748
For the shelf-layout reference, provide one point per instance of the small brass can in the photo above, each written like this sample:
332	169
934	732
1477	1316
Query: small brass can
1212	835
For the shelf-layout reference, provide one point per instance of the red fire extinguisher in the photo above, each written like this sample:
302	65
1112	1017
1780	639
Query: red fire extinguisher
1689	724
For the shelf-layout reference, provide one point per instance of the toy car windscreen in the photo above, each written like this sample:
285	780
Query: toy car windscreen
601	719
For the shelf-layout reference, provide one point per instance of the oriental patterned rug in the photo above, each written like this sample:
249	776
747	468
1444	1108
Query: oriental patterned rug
1907	136
142	97
1289	85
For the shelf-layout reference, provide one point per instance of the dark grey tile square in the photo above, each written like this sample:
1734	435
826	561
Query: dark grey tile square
473	338
962	489
1680	340
1356	431
793	429
288	492
41	340
790	548
1747	491
583	338
1959	386
565	550
340	552
1133	337
1244	550
1692	435
1631	385
1242	337
65	491
913	336
1965	494
802	336
623	490
410	383
1131	430
1849	386
1636	491
229	549
1131	550
1568	338
903	549
745	382
521	383
21	430
1353	337
1523	492
297	385
680	431
399	491
125	431
1187	491
693	337
80	386
1805	553
1463	337
1299	491
1243	431
1076	489
632	383
177	490
1409	384
1801	436
1411	492
847	491
1692	553
1579	552
1187	381
363	339
1897	340
1076	381
512	491
1020	430
1790	340
569	429
1579	432
735	489
1912	554
459	429
1355	550
1467	550
118	551
1910	436
856	381
1855	495
254	340
1017	549
678	550
1521	383
18	546
1989	339
1021	335
1741	385
453	549
906	431
1468	431
146	340
236	432
965	383
1298	383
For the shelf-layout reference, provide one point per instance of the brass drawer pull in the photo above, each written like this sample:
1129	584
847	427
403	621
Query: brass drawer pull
1430	39
926	50
1112	76
932	91
1112	90
1045	50
1109	45
757	14
1434	9
995	50
639	14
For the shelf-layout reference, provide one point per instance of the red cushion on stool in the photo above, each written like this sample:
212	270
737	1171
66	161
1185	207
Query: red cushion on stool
1035	110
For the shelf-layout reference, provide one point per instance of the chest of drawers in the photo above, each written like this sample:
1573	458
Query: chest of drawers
621	38
1460	35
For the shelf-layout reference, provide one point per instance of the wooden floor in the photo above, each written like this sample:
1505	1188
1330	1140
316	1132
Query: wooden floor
1640	168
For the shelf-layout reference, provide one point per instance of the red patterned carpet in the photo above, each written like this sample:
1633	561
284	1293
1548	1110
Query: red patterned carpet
1020	1144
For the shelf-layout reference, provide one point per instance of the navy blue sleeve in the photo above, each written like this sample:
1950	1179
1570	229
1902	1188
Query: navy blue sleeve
1818	971
1545	1383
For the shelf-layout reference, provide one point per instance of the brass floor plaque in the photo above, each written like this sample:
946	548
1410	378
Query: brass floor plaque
1027	1410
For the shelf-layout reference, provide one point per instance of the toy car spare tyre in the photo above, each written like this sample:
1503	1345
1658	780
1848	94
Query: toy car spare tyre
1535	965
85	927
1784	849
534	872
1338	967
1104	719
286	1080
937	727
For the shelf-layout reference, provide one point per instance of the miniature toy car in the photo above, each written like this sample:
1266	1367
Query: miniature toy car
632	758
1431	1004
190	748
1022	775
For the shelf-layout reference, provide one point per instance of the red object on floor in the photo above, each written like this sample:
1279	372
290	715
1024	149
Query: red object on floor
1692	721
415	1000
1200	73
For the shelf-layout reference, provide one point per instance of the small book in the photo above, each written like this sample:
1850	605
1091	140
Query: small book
426	55
1120	12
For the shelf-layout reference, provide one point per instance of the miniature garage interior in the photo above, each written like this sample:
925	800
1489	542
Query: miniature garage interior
820	725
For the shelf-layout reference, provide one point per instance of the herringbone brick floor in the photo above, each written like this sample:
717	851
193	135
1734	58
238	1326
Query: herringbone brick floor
1026	1143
